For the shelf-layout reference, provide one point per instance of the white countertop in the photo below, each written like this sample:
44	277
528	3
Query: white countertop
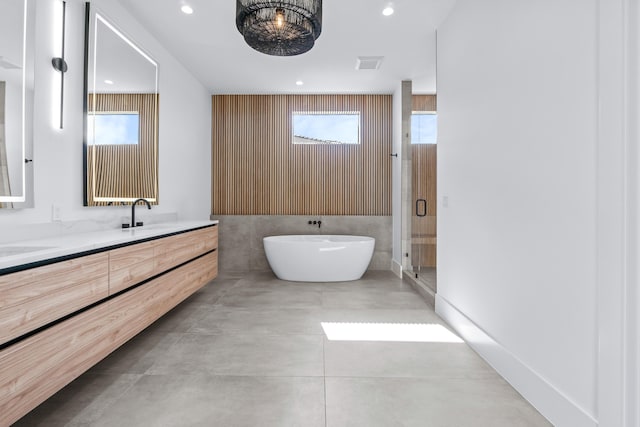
29	251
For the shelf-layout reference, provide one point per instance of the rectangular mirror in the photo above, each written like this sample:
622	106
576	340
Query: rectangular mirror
17	32
121	118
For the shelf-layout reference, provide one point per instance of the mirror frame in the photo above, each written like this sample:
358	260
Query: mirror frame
25	199
88	186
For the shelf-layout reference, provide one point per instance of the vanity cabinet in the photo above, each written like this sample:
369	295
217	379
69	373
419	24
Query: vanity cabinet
133	264
130	265
33	298
122	290
184	247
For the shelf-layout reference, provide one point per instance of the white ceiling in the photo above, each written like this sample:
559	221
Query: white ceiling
209	44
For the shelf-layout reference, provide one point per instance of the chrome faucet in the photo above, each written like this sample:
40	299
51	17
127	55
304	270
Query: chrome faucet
133	212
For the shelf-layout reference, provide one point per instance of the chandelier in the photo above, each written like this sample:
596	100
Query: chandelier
279	27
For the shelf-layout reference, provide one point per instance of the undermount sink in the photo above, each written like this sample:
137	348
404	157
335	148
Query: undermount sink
17	250
150	227
158	226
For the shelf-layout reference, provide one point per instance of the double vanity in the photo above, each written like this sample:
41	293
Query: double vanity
66	303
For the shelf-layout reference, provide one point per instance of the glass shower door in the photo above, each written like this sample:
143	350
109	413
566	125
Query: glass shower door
423	219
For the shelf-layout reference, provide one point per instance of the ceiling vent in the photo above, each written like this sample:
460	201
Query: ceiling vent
369	62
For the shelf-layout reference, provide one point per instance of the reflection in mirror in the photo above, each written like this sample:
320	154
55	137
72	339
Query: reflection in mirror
121	141
16	102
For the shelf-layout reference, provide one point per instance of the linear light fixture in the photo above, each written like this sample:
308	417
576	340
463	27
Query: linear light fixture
59	63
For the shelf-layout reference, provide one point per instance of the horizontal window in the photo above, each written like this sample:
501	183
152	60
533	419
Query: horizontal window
326	127
424	127
113	128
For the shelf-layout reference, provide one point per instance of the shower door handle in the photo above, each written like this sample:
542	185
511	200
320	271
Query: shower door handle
422	202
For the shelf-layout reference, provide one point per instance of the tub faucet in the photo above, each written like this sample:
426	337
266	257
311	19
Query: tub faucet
133	212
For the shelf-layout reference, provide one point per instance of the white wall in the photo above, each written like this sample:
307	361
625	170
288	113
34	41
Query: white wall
184	133
616	213
517	111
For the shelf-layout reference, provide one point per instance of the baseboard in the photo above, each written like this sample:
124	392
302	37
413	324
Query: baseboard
396	268
548	400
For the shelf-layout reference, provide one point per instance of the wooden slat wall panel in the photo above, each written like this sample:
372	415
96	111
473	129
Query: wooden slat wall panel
423	186
125	171
424	175
424	103
256	170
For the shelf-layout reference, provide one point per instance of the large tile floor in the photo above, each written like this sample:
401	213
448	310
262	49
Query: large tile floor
249	350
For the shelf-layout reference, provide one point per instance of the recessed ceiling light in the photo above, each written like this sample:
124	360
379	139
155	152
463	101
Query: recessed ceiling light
299	83
186	9
387	11
109	82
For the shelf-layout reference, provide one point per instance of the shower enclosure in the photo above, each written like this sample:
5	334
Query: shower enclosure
423	218
420	189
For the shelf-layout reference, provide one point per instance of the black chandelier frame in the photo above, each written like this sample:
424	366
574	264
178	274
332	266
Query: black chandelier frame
279	27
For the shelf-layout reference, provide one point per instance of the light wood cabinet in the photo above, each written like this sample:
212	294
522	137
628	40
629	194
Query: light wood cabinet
184	247
35	367
130	265
33	298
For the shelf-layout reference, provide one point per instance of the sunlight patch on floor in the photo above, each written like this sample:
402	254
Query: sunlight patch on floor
399	332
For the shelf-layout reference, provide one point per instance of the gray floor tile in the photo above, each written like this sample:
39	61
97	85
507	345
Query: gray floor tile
283	321
228	320
224	274
404	359
82	402
373	280
275	284
249	350
263	355
213	291
168	401
420	315
442	402
221	283
139	354
280	298
359	299
428	277
180	318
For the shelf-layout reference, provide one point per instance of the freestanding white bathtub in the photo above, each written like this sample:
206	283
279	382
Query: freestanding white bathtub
319	258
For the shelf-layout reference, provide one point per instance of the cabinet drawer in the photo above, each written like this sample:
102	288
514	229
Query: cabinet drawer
32	298
131	265
175	250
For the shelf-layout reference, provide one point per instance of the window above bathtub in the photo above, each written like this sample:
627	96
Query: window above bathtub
327	128
424	127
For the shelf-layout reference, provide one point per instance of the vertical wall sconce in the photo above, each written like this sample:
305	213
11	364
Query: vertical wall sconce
59	63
